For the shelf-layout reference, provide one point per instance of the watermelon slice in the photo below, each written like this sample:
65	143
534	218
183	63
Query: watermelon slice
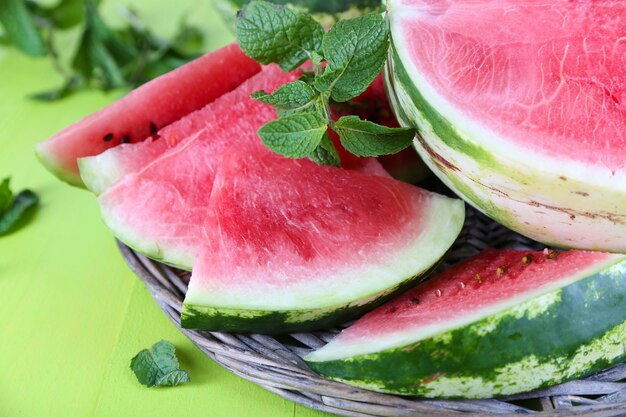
499	323
160	210
520	109
294	246
101	171
146	109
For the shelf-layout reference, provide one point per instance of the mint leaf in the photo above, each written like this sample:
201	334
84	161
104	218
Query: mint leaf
17	212
158	366
173	378
364	138
20	27
6	196
295	136
271	33
292	96
325	153
356	50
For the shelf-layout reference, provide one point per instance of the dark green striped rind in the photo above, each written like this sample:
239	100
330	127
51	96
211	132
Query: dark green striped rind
326	12
568	333
274	322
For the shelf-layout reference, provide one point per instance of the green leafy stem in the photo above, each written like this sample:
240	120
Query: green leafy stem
344	62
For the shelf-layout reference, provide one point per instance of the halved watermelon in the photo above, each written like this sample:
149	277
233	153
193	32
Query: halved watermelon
161	209
294	246
520	109
499	323
146	110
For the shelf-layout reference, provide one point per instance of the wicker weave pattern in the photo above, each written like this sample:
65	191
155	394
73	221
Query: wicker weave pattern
276	365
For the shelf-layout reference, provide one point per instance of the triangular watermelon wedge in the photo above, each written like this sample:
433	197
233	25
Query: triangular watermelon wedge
160	210
501	322
294	246
147	109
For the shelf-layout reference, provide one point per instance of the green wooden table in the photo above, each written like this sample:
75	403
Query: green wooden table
72	314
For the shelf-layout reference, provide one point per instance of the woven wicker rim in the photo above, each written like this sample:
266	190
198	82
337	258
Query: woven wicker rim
277	365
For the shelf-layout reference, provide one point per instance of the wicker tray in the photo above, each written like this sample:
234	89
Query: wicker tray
276	364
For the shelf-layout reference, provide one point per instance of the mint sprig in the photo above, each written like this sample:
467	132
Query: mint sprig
344	62
15	210
158	366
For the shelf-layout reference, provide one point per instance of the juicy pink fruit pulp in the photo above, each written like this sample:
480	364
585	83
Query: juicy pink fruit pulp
279	221
547	75
166	202
148	108
467	288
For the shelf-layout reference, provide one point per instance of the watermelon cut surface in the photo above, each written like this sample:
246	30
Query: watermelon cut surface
160	209
146	110
499	323
295	246
519	110
101	171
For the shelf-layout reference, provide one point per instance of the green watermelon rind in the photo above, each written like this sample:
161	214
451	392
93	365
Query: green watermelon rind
567	333
533	195
275	322
445	223
51	164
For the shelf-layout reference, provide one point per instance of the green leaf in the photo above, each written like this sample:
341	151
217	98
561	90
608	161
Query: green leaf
271	33
6	195
158	366
364	138
173	378
325	153
22	205
20	27
295	136
70	86
356	50
291	96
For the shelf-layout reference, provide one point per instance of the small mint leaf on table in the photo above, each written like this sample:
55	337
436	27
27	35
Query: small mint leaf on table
271	33
292	96
14	210
295	135
364	138
6	195
158	366
325	153
356	50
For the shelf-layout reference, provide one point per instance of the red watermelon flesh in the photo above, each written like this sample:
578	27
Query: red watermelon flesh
101	171
303	241
160	210
147	109
486	283
551	84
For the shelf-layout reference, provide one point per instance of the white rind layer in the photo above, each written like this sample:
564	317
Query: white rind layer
443	221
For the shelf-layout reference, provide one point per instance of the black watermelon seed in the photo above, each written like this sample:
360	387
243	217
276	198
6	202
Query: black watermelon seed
153	128
125	139
108	137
